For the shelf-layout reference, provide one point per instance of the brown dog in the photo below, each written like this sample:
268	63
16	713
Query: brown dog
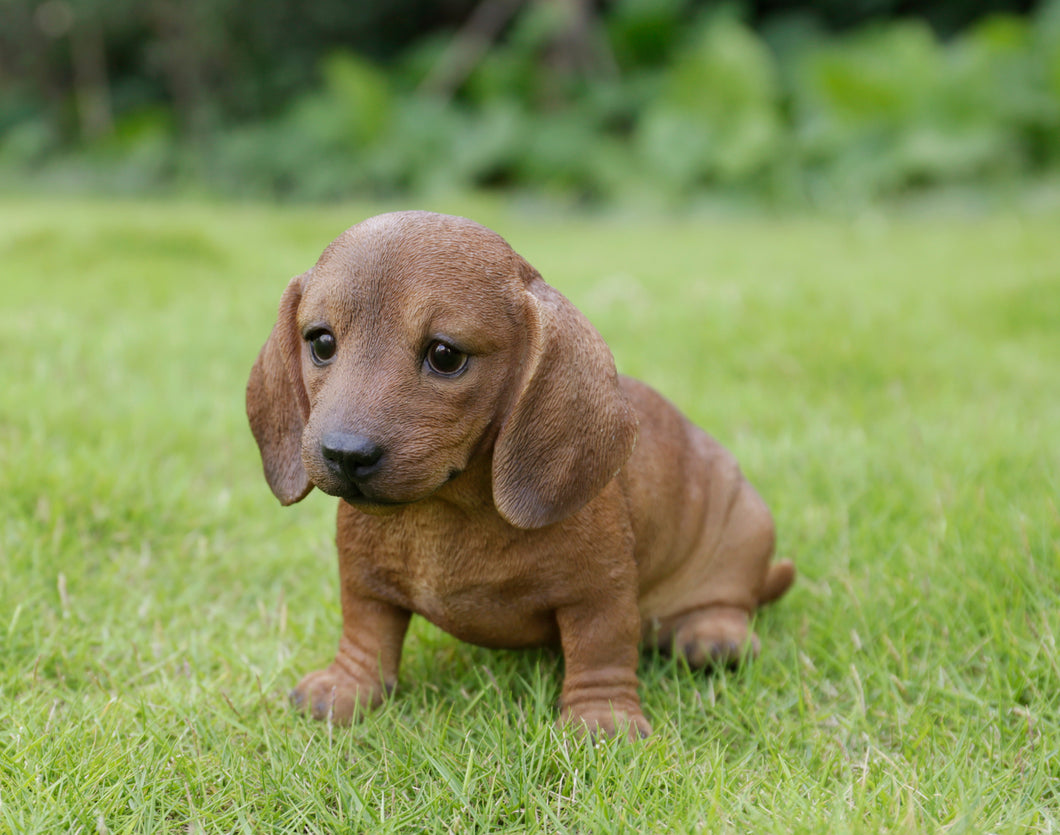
498	477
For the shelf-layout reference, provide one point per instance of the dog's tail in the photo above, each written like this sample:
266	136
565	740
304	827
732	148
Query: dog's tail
779	578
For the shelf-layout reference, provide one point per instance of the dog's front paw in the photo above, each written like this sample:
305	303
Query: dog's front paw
333	694
604	720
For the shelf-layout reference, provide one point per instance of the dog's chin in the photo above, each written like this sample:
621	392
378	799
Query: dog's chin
374	507
373	502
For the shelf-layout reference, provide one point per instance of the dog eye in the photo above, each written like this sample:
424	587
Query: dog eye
322	346
444	359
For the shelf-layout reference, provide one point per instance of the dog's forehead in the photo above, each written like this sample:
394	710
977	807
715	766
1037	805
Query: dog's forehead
421	251
417	265
405	243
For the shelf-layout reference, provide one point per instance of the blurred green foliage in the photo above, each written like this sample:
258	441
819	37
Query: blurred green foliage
646	98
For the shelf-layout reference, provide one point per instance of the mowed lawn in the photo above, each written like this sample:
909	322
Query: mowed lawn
889	381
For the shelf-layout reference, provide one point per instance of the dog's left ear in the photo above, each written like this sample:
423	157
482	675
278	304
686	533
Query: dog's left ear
277	403
570	428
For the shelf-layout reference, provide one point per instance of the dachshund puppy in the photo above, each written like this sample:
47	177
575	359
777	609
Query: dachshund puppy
497	476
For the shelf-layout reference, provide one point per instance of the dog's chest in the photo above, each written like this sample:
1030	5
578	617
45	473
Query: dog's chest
479	586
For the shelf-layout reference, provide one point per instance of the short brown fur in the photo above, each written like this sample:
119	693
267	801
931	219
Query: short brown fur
534	497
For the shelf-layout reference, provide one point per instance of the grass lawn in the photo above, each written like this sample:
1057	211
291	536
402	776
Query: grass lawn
890	383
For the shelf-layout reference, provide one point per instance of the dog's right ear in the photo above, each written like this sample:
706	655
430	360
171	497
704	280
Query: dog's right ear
277	403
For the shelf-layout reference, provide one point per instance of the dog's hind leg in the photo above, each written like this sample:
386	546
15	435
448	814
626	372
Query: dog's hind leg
712	628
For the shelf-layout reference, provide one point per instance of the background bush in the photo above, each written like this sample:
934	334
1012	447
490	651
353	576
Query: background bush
634	99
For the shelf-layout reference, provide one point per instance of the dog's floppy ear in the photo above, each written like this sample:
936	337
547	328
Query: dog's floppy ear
570	428
277	403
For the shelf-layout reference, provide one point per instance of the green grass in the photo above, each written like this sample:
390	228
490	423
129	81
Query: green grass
890	382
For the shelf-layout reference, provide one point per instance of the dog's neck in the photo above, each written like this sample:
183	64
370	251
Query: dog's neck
472	491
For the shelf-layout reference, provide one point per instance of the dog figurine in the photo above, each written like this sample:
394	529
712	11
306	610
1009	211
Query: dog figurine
497	476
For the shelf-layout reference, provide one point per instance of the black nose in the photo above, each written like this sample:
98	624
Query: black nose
355	456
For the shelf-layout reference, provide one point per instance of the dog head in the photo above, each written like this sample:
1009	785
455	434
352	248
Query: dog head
419	343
